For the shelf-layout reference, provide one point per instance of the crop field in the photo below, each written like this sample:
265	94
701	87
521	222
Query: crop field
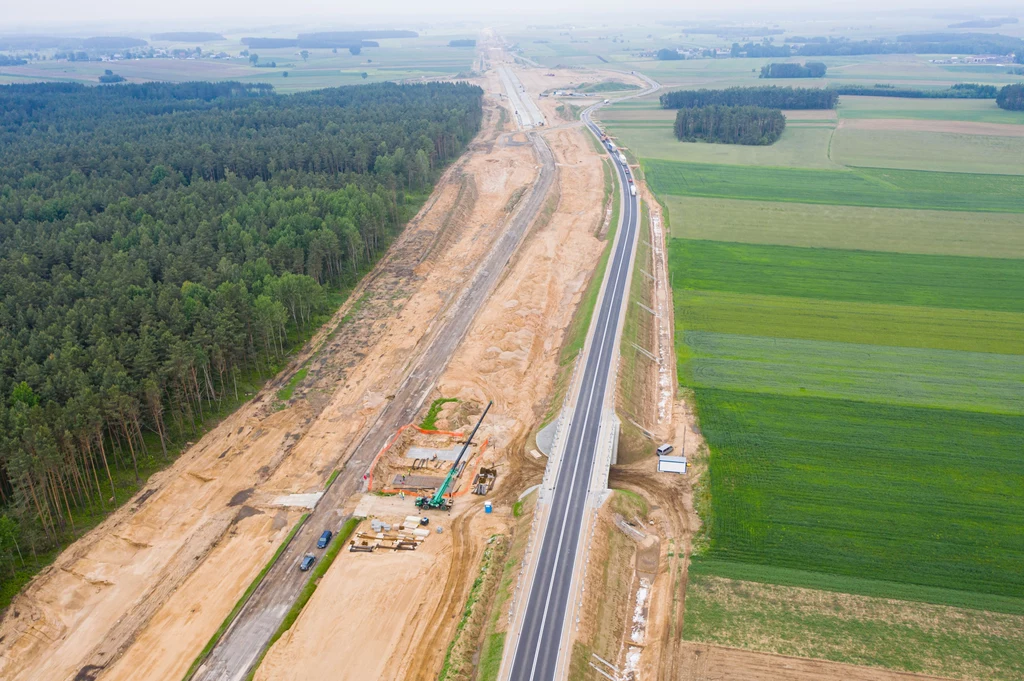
850	318
905	494
938	232
885	188
971	381
977	110
861	276
800	147
913	150
830	320
410	58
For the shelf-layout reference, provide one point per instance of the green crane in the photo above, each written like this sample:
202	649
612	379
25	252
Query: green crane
439	501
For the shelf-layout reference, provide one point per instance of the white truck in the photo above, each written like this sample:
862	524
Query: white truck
632	189
622	158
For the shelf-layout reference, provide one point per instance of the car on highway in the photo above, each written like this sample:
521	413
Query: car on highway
307	562
324	540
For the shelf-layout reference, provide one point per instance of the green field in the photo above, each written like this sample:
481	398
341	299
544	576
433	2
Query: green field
922	496
975	110
802	147
884	188
937	232
971	381
830	320
857	276
914	150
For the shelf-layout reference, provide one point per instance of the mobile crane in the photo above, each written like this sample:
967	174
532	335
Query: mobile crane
439	501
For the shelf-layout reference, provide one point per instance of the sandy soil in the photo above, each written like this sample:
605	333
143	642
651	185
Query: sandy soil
955	127
510	357
538	80
370	607
117	585
701	662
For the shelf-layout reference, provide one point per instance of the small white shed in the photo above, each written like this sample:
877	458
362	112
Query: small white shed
672	464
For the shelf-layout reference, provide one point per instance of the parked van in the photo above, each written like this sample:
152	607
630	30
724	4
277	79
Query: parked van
665	449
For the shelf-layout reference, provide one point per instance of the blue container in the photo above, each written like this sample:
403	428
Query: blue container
487	507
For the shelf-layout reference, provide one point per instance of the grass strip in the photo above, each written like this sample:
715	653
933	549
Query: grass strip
456	666
823	581
285	393
307	591
204	653
430	420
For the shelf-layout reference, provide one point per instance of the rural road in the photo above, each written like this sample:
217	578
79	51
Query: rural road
537	650
247	637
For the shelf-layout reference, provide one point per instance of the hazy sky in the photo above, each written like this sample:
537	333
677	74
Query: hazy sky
76	15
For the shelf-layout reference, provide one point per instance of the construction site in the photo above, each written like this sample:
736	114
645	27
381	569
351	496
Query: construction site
141	596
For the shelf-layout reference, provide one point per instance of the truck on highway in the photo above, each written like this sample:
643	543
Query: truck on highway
632	189
622	158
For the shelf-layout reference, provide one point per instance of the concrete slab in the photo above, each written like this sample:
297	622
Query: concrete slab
298	500
546	436
416	482
430	453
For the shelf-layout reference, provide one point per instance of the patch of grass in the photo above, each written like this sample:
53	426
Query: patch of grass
972	381
914	637
212	643
859	276
885	188
936	232
430	420
490	657
285	393
918	496
319	570
330	480
830	320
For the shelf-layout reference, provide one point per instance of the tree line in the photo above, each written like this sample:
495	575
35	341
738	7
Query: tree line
771	96
1011	97
753	125
161	243
957	91
923	43
811	69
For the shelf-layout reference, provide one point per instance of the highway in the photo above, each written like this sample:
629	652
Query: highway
537	651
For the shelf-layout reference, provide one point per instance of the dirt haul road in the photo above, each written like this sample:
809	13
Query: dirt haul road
392	616
138	597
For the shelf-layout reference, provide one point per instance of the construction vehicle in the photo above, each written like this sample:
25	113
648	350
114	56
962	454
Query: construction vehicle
439	501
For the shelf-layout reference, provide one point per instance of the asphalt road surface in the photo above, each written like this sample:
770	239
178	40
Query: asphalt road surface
235	654
525	109
536	654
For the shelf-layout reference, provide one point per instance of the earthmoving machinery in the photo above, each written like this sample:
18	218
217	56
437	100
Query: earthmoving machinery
439	501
